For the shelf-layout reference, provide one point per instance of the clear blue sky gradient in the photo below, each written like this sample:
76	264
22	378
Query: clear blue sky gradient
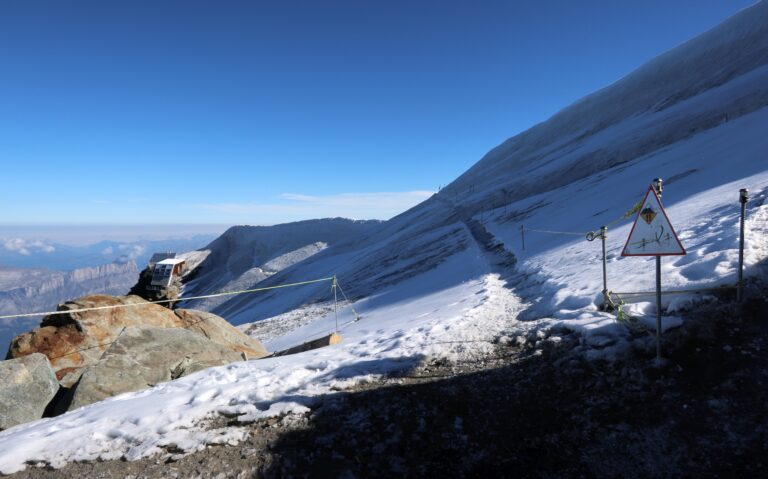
209	112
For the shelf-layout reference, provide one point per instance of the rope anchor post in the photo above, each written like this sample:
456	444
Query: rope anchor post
335	307
658	188
606	300
743	198
603	235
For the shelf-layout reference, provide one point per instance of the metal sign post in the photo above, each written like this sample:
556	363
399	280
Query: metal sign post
743	198
603	233
335	300
603	236
658	308
652	234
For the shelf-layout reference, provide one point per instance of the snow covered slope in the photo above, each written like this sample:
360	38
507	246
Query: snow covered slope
695	116
244	256
449	276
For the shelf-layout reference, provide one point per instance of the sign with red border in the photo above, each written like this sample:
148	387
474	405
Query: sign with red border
652	234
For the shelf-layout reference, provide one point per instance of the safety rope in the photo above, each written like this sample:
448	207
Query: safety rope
622	317
555	232
679	291
628	214
162	301
357	316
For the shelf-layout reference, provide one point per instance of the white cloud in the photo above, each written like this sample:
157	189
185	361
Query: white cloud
107	251
14	244
349	205
25	248
131	251
41	246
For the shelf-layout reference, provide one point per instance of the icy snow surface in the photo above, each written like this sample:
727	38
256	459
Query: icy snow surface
447	277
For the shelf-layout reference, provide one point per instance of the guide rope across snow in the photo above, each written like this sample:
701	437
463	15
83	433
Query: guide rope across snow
556	232
162	301
680	291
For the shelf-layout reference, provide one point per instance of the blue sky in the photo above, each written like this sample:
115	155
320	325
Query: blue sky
230	112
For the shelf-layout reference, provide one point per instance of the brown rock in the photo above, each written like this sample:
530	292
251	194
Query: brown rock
218	330
74	341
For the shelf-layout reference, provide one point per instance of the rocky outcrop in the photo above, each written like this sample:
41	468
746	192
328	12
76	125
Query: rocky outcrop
24	291
73	341
218	330
142	288
142	357
76	340
28	385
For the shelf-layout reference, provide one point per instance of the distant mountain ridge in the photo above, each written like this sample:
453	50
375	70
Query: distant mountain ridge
244	256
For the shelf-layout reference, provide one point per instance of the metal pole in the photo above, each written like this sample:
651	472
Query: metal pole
658	187
335	311
603	233
522	234
658	308
743	198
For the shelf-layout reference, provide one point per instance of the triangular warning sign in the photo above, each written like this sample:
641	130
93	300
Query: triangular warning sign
652	234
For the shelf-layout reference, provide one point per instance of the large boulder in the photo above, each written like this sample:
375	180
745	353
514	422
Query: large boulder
218	330
73	341
142	357
28	385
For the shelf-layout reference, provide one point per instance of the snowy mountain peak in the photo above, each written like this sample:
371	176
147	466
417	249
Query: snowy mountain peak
560	149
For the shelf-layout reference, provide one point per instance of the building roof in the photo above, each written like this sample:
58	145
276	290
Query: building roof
161	256
172	261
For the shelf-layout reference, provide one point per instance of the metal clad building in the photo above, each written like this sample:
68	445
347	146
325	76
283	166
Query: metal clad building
165	270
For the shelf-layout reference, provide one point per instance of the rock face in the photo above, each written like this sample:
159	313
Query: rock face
74	341
142	357
25	290
145	279
218	330
28	385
